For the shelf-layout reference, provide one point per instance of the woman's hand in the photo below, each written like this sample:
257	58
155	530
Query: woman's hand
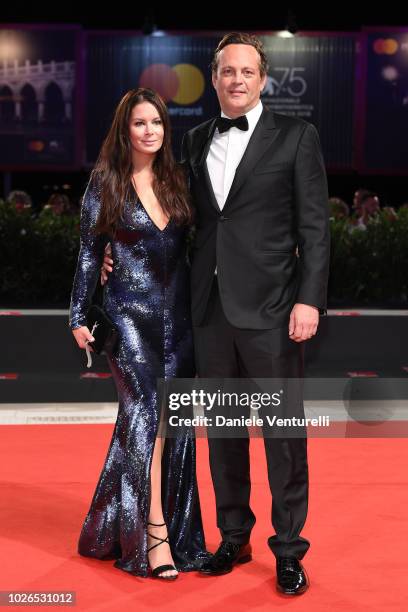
107	264
83	337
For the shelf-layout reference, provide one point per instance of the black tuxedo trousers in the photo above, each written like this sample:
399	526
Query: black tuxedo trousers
225	351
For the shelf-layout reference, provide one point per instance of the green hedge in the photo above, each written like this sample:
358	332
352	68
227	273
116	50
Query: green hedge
369	267
38	258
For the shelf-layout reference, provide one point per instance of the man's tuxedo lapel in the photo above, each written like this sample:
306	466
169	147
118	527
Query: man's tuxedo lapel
201	166
262	137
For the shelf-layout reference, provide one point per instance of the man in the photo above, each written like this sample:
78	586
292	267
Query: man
259	187
259	280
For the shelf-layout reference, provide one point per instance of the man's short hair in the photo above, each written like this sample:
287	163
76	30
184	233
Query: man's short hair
241	38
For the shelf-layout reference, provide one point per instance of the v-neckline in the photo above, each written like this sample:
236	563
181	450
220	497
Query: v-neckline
147	214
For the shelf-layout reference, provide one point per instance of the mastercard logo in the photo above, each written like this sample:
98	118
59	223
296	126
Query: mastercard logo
182	83
36	145
385	46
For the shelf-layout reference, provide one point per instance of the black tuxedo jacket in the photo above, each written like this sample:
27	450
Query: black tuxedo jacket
271	241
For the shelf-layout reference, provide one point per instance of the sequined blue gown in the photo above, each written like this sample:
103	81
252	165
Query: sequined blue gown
147	297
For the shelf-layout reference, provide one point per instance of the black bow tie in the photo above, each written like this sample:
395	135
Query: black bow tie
224	124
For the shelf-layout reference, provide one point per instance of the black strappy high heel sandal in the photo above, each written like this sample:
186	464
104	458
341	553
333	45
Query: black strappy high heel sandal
161	568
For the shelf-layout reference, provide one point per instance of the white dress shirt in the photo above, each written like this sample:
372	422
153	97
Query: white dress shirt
225	153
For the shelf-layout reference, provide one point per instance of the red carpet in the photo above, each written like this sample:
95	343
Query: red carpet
357	526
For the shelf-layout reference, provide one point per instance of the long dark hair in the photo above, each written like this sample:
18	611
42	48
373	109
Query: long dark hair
113	170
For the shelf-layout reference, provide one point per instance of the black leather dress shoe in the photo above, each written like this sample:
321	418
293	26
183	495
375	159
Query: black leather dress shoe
291	577
224	559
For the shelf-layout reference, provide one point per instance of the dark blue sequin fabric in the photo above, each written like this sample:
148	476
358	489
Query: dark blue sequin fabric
147	297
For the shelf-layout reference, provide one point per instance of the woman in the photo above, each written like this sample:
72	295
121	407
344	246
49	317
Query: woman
145	511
